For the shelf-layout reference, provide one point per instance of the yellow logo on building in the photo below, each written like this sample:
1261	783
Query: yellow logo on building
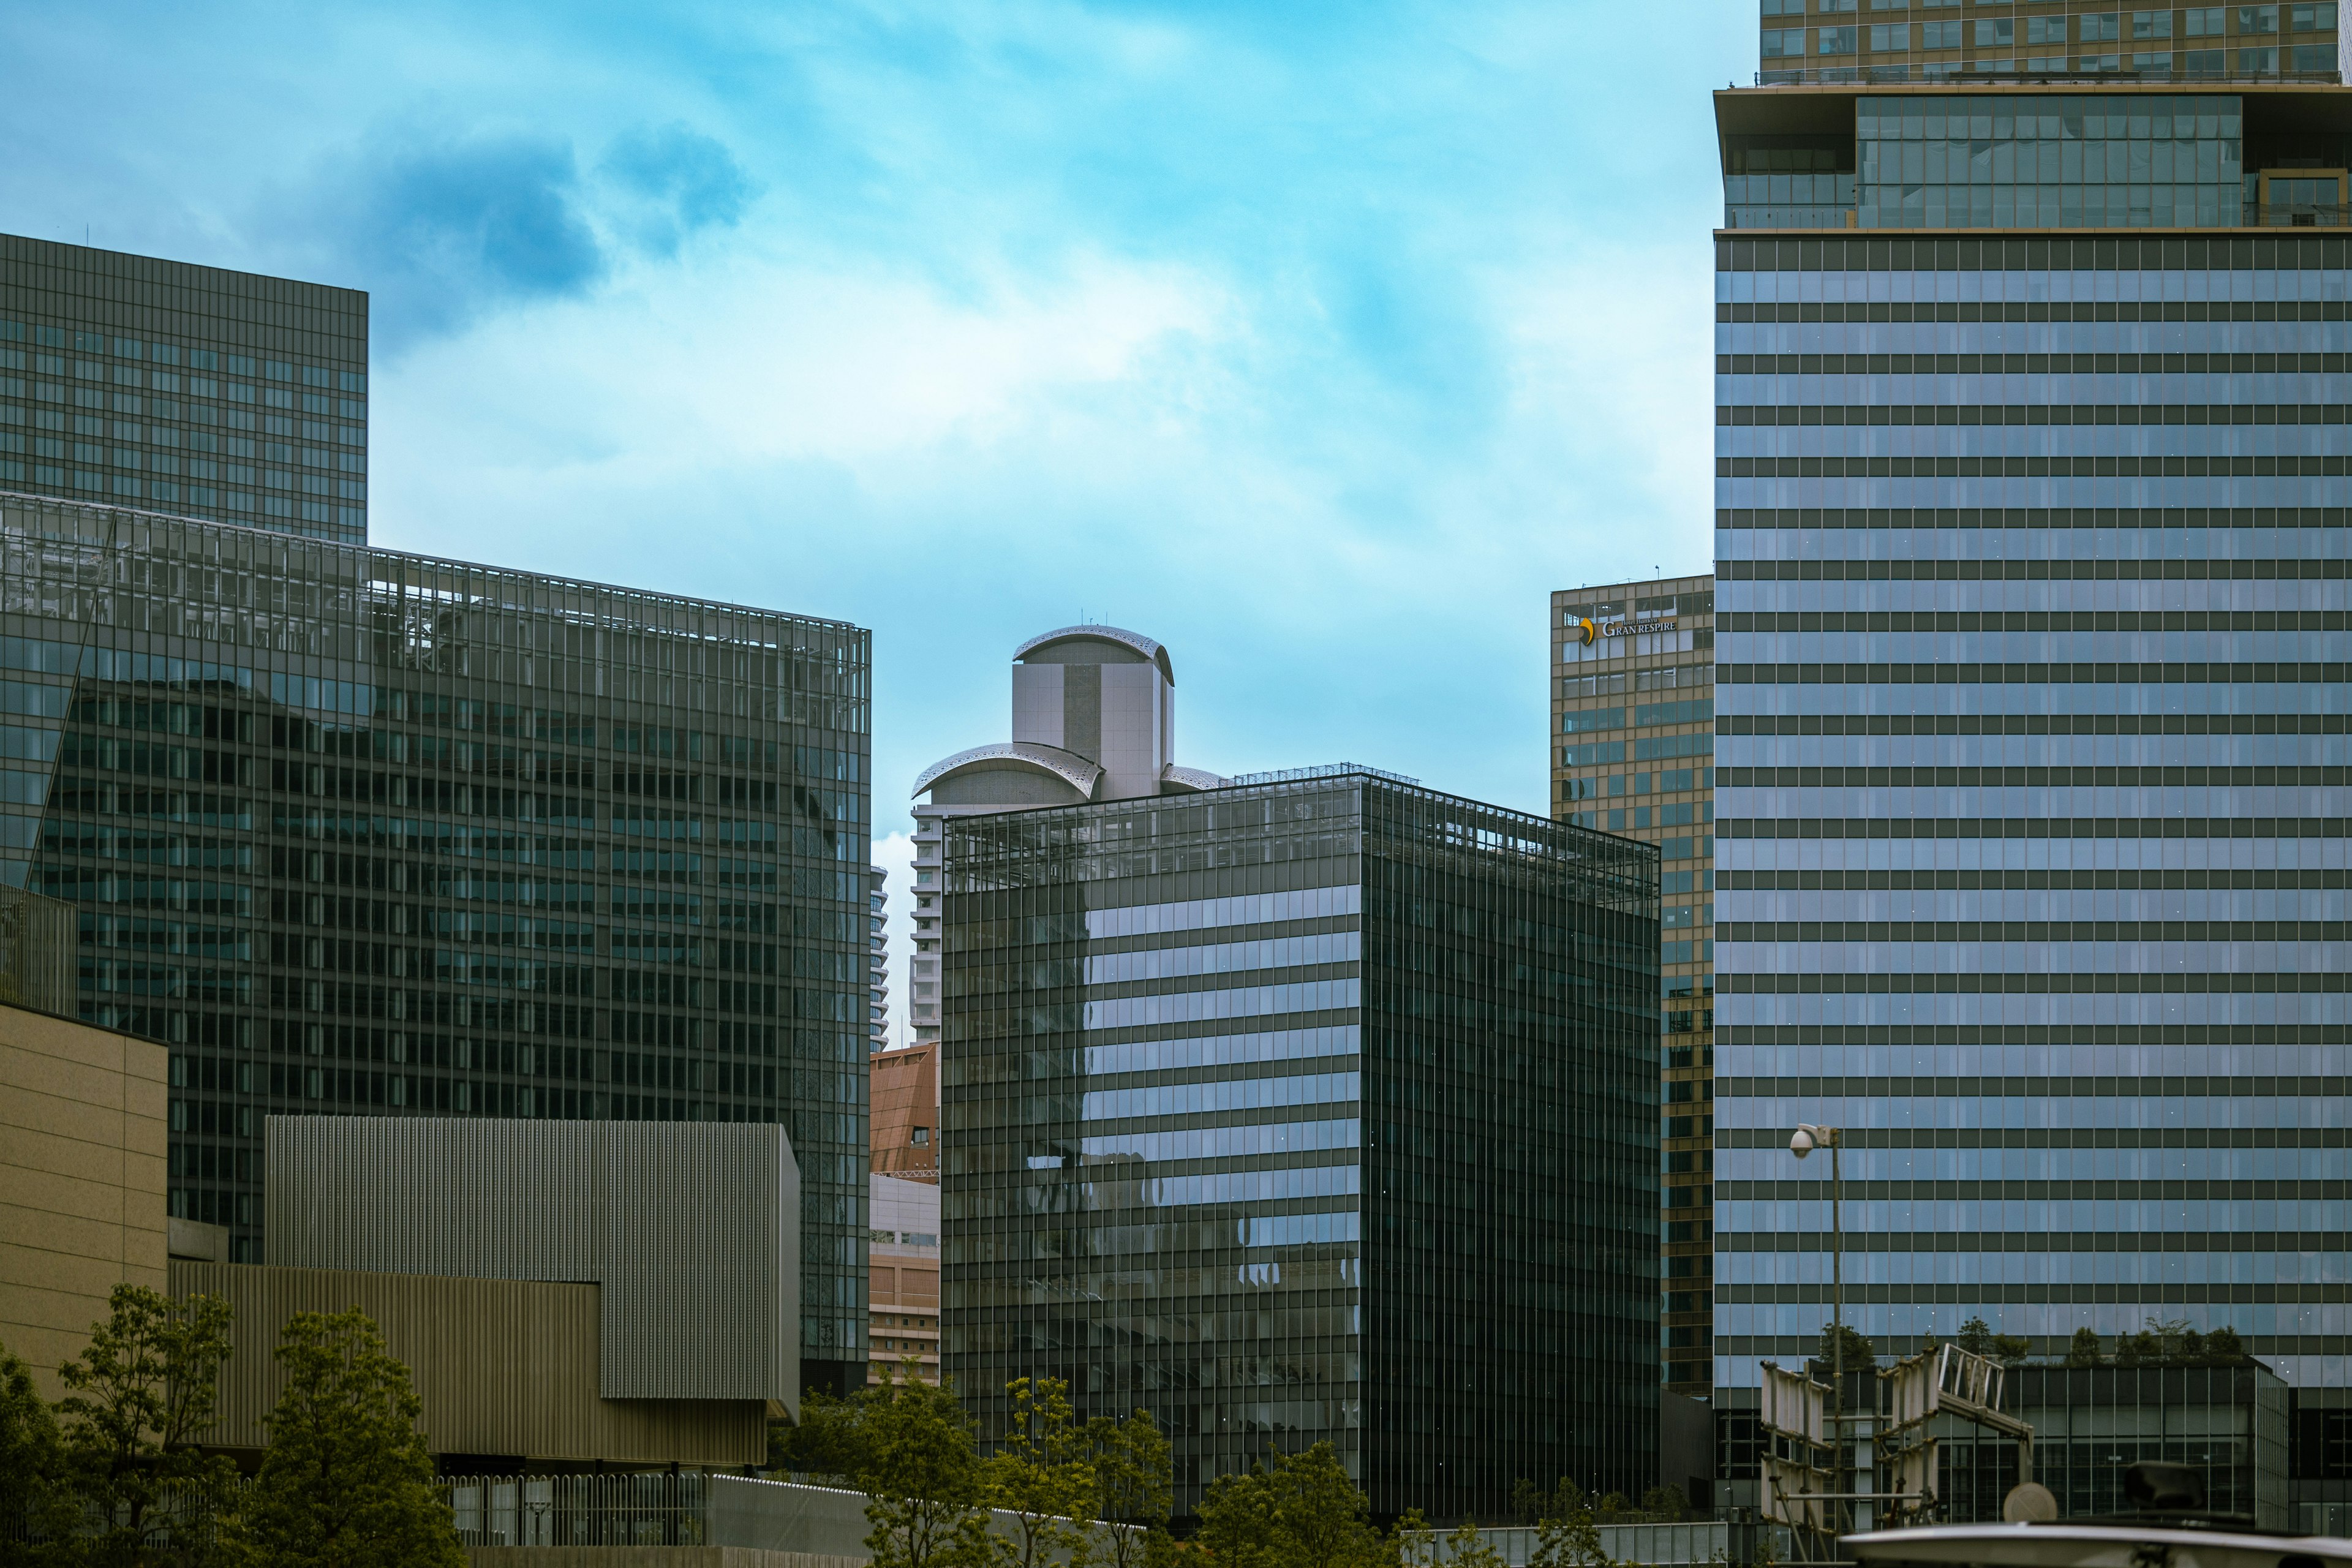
1590	633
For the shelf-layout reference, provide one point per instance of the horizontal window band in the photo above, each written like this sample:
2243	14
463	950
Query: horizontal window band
1809	828
1933	1138
2033	777
1896	416
2198	466
2168	1293
2037	723
2123	1190
1730	1036
2062	1242
1813	519
2061	672
2172	983
2085	253
1880	312
2036	931
2214	881
2184	621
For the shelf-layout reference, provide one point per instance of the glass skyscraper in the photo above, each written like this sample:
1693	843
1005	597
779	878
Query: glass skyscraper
366	832
190	390
2032	805
1634	713
1322	1109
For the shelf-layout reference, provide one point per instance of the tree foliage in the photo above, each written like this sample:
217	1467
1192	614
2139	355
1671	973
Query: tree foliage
1861	1355
1977	1337
1302	1512
32	1457
138	1397
916	1454
2084	1349
1043	1475
1134	1478
346	1481
2175	1344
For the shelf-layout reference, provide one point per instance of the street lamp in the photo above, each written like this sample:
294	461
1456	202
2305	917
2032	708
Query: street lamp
1808	1138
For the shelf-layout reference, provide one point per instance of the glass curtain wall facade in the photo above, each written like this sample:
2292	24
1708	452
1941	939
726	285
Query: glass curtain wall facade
2032	794
190	390
1932	40
1311	1111
1634	714
363	831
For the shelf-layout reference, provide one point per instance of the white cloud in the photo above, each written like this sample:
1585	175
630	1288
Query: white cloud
751	358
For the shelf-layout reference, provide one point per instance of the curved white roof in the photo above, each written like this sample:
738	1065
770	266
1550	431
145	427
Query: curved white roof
1145	645
1192	778
1068	766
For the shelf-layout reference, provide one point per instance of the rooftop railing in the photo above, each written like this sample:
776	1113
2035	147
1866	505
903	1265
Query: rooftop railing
1910	76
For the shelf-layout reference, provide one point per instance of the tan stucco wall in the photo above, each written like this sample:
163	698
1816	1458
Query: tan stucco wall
503	1366
82	1162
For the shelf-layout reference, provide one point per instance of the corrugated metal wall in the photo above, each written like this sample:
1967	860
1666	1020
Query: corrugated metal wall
692	1229
503	1366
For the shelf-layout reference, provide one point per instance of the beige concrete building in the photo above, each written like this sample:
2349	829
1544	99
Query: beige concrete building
82	1162
1633	752
903	1285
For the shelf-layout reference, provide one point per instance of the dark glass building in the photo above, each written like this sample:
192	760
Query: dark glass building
1321	1110
185	389
2032	792
366	831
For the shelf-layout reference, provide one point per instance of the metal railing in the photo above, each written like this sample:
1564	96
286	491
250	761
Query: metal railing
579	1511
1912	75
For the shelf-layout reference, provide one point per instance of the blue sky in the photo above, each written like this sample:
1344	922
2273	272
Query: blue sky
1320	343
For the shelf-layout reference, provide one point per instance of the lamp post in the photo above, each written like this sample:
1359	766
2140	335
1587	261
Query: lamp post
1808	1138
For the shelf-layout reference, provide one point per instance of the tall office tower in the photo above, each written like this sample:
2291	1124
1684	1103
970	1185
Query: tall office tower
183	389
1633	721
358	831
877	959
1931	40
1320	1109
2031	779
1094	717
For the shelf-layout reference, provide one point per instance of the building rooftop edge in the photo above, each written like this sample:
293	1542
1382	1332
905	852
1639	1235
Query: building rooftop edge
1298	786
1149	647
277	536
191	266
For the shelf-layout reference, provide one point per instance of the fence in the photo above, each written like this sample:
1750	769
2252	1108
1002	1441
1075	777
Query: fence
1688	1544
687	1510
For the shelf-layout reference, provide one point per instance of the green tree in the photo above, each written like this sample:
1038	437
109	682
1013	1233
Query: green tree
918	1458
1569	1540
827	1441
137	1398
1302	1512
1665	1503
1043	1475
346	1481
1531	1504
2083	1349
1134	1487
1861	1355
2223	1348
1977	1337
31	1459
1465	1548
